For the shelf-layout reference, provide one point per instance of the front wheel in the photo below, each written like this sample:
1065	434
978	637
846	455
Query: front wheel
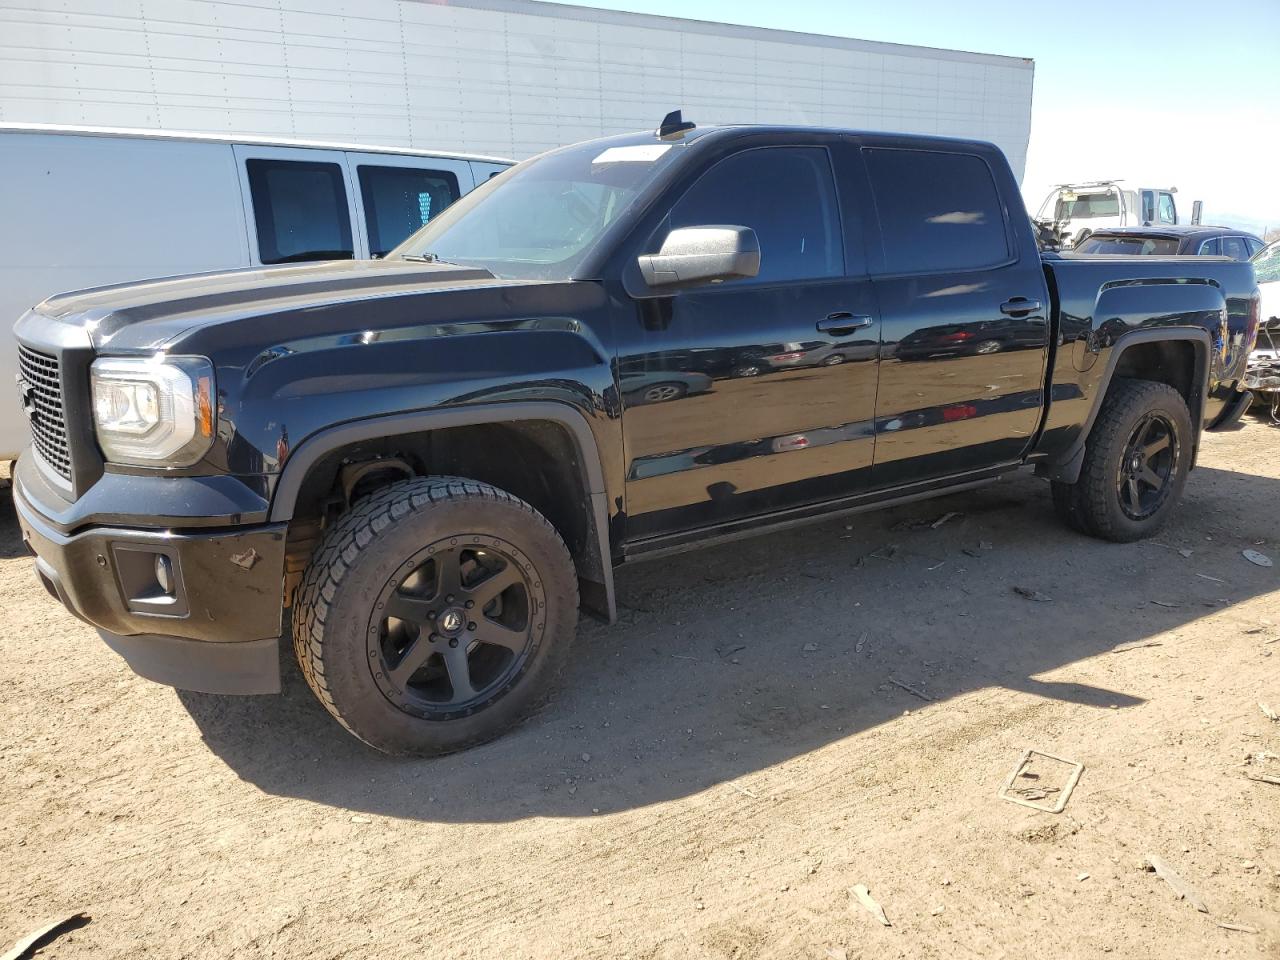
1136	462
435	615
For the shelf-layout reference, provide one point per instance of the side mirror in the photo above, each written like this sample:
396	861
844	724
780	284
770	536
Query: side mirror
697	255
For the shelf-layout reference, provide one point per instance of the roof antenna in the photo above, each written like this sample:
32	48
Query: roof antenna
673	126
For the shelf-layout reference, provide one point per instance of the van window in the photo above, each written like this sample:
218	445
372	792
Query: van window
399	200
300	209
787	195
1166	210
938	211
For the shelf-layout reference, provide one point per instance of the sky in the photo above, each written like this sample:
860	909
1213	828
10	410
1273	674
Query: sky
1159	93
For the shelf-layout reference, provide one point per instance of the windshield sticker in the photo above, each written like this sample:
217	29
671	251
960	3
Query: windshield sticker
636	153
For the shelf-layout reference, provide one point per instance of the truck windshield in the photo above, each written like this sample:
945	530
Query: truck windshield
1149	246
540	219
1266	264
1087	206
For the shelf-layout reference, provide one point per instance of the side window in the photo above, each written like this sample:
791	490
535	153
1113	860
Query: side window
1148	207
938	211
1166	210
1253	245
1234	247
1210	248
300	209
787	195
399	200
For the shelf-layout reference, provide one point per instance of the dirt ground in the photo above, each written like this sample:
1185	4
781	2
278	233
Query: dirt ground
720	768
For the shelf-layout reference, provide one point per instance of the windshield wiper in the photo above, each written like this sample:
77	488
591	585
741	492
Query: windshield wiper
423	258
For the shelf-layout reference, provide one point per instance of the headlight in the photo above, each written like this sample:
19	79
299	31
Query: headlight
153	411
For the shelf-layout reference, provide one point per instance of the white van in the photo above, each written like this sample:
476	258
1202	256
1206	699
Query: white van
84	207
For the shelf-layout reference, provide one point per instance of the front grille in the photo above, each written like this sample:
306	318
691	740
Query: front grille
43	396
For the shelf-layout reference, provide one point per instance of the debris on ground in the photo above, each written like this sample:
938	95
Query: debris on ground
810	648
1082	878
1165	603
44	935
1205	576
837	953
937	911
1182	889
945	518
356	818
1030	594
1184	552
1137	645
1027	794
862	640
1243	928
1268	712
911	690
1253	556
864	897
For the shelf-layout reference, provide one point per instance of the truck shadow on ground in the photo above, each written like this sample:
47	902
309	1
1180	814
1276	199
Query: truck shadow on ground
729	660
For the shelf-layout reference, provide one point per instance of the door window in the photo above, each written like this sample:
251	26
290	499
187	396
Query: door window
787	195
1210	248
1166	210
939	212
400	200
300	209
1234	247
1148	206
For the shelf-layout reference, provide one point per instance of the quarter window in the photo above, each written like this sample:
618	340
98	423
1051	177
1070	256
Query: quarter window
787	195
1210	248
938	211
399	200
300	208
1234	247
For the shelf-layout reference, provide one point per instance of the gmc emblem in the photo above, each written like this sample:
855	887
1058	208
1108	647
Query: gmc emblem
26	391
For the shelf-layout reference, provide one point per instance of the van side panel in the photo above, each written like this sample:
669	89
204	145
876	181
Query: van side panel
84	211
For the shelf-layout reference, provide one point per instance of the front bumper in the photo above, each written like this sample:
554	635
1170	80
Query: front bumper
196	610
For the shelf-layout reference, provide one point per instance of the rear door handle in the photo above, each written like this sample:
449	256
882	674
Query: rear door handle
1020	307
843	322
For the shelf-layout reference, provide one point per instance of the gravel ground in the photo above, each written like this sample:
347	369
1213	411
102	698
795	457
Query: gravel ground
720	768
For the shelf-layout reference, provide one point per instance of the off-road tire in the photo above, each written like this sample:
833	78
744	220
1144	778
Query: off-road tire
357	560
1092	504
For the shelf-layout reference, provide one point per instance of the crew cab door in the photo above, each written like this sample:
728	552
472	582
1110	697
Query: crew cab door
753	395
964	314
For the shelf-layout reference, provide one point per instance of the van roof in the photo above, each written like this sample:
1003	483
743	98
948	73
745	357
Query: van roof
66	130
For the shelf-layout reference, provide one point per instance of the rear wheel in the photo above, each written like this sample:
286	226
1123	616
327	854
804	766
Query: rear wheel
1135	464
435	615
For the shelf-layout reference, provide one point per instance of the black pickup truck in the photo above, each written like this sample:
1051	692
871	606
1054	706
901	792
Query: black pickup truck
620	348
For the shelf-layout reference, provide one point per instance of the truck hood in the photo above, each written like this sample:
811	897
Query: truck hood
148	315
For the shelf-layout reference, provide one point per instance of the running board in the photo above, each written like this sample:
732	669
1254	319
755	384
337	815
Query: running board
654	547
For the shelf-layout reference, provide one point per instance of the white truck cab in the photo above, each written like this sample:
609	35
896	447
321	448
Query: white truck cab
1075	210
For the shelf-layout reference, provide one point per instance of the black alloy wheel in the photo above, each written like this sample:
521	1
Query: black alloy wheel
449	636
1147	467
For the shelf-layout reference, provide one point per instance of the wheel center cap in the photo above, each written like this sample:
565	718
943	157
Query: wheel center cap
451	622
1135	464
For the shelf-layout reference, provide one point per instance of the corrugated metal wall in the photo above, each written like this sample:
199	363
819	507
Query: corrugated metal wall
507	77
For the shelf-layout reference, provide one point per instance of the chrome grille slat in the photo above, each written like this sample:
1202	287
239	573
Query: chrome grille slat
42	374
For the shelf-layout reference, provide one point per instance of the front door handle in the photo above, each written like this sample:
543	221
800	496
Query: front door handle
1020	307
843	322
